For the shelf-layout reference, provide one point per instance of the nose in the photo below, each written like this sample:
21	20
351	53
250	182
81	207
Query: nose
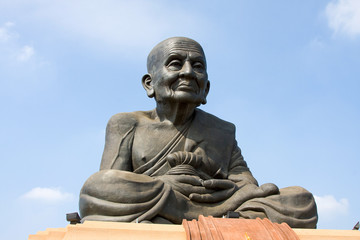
187	70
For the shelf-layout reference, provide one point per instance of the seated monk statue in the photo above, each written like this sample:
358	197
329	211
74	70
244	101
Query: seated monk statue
178	162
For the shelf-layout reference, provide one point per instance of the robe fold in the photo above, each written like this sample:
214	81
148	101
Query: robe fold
118	192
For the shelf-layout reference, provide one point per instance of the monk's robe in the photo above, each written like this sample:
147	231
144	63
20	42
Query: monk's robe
128	186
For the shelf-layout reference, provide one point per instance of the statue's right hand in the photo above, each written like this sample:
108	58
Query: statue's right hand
185	184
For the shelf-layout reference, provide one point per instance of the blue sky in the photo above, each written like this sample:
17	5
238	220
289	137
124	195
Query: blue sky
286	73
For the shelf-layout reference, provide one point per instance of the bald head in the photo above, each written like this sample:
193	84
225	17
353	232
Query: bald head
177	72
164	48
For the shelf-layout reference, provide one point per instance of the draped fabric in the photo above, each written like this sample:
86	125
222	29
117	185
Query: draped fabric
293	205
125	196
114	195
158	165
118	195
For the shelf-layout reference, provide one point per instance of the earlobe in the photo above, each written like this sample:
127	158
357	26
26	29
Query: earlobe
207	89
146	82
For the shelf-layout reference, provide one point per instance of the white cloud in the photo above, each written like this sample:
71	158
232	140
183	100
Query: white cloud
22	70
49	195
125	23
5	33
10	48
119	26
26	53
330	208
9	24
344	17
317	43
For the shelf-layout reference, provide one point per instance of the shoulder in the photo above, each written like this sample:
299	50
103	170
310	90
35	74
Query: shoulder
127	119
212	121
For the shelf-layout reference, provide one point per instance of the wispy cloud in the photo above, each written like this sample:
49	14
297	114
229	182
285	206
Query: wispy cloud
119	26
48	195
330	208
12	51
344	17
5	33
26	53
21	65
124	23
317	43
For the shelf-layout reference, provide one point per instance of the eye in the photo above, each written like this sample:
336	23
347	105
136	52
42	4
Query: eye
175	65
198	66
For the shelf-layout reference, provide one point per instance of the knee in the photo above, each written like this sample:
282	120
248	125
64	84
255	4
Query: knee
296	190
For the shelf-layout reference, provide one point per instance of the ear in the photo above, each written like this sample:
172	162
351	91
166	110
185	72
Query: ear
146	82
207	89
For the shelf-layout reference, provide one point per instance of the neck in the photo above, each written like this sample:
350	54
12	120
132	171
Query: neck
174	112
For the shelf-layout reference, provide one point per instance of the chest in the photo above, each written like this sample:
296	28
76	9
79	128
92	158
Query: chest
150	140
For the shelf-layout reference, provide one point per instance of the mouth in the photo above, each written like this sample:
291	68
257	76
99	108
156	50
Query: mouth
188	86
185	87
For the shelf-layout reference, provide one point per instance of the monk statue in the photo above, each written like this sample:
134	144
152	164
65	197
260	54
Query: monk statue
178	162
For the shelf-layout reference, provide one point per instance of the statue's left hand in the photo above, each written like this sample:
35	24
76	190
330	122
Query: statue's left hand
224	189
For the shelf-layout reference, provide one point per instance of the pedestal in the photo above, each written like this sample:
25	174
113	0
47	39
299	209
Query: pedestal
205	228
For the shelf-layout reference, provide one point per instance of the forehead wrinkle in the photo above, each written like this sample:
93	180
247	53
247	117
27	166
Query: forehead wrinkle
174	52
163	50
188	49
183	52
183	46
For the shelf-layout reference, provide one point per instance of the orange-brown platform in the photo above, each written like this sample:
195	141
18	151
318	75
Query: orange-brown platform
231	228
204	228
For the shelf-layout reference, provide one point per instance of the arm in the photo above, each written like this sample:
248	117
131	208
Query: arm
119	136
241	175
238	169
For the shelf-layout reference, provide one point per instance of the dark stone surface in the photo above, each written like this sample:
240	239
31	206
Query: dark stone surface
176	162
73	218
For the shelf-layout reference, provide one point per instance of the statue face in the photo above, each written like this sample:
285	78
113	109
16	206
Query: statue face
179	73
